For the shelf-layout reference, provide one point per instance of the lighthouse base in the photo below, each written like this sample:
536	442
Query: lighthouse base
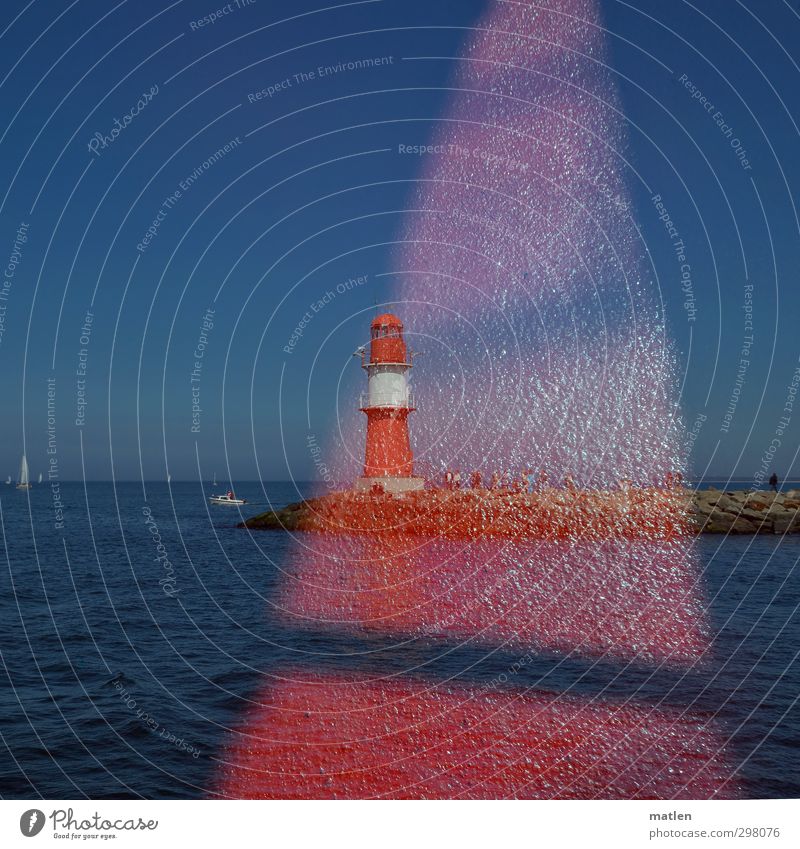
390	484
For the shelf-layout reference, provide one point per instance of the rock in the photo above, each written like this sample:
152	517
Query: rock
788	523
757	516
730	505
726	523
765	498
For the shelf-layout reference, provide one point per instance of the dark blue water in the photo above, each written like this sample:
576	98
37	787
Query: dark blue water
112	687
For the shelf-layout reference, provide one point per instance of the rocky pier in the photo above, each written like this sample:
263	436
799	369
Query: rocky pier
552	513
745	511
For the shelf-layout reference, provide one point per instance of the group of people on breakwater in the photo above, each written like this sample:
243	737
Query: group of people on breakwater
530	482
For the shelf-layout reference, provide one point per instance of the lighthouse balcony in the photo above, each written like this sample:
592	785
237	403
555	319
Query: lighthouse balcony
386	365
395	400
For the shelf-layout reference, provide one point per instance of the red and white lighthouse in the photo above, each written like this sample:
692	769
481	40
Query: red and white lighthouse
389	461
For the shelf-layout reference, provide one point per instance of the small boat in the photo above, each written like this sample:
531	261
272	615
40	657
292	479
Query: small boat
40	478
24	481
8	481
228	498
214	482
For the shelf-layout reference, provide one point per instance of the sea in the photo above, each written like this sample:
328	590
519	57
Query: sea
138	623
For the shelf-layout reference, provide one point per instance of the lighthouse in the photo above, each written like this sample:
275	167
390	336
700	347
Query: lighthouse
389	462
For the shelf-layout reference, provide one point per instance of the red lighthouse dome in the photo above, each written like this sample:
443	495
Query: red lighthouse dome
387	344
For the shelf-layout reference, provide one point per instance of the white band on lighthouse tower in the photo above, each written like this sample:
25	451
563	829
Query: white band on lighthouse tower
387	385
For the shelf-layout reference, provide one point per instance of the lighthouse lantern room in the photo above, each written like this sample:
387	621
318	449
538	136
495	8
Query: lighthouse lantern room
389	462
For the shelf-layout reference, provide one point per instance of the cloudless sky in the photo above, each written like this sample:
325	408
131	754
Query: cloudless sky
310	194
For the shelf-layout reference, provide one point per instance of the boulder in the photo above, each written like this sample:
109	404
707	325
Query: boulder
788	523
726	523
757	516
765	497
730	505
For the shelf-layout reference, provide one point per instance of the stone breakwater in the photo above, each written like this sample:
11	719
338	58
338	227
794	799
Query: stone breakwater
633	513
745	511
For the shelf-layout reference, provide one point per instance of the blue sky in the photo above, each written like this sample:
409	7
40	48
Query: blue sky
309	194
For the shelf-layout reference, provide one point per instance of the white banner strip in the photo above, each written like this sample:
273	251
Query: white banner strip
405	825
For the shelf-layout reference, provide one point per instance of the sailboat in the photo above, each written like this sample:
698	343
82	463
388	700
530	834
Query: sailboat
8	480
24	482
40	478
214	482
169	478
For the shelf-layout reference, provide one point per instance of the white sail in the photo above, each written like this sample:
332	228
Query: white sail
8	479
40	477
23	472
